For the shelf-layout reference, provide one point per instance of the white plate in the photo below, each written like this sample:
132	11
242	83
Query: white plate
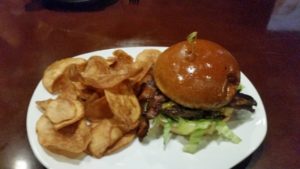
217	154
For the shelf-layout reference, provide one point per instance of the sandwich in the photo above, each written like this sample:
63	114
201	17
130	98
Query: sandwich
193	91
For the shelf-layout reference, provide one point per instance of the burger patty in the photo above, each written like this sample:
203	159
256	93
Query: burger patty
154	102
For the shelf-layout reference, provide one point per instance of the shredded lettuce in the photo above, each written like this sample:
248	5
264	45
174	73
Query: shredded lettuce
155	131
193	130
167	132
224	131
194	141
240	87
186	127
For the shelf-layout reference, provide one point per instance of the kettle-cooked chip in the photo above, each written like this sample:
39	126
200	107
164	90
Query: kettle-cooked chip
43	104
123	103
122	143
62	111
95	65
100	74
56	69
97	109
145	60
122	59
69	141
104	135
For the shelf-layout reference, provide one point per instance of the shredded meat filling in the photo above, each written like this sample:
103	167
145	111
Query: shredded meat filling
150	98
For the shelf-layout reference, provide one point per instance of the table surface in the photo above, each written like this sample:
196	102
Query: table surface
265	42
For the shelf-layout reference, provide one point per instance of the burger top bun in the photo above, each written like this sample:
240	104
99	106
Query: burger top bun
199	74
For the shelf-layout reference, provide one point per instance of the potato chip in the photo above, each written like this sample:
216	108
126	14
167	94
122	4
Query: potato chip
111	60
103	81
125	127
103	135
148	55
123	103
69	141
100	75
89	94
97	109
63	85
56	69
122	59
73	72
95	65
62	111
122	143
42	105
145	60
69	83
115	134
100	91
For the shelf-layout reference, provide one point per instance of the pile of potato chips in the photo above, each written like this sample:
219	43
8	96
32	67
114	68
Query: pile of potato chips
96	110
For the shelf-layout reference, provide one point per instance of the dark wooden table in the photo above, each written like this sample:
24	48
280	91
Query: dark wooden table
33	34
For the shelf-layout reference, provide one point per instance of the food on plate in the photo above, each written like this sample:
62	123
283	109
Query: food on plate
62	111
56	70
122	143
70	141
124	104
101	105
95	109
203	74
193	91
104	135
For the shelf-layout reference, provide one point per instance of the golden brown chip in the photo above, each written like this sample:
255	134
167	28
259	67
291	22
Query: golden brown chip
97	109
95	65
63	85
73	72
56	69
69	84
100	75
122	143
43	104
111	60
125	127
145	60
122	59
123	103
103	135
62	111
99	90
103	81
89	94
71	140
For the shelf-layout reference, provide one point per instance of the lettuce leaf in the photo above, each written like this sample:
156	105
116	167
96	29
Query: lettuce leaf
224	131
167	132
194	141
193	130
155	131
186	127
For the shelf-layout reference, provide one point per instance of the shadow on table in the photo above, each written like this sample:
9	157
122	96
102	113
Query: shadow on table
57	5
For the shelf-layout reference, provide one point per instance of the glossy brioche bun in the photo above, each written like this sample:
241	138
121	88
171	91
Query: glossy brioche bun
201	74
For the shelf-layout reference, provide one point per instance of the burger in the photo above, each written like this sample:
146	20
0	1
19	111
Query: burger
193	91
